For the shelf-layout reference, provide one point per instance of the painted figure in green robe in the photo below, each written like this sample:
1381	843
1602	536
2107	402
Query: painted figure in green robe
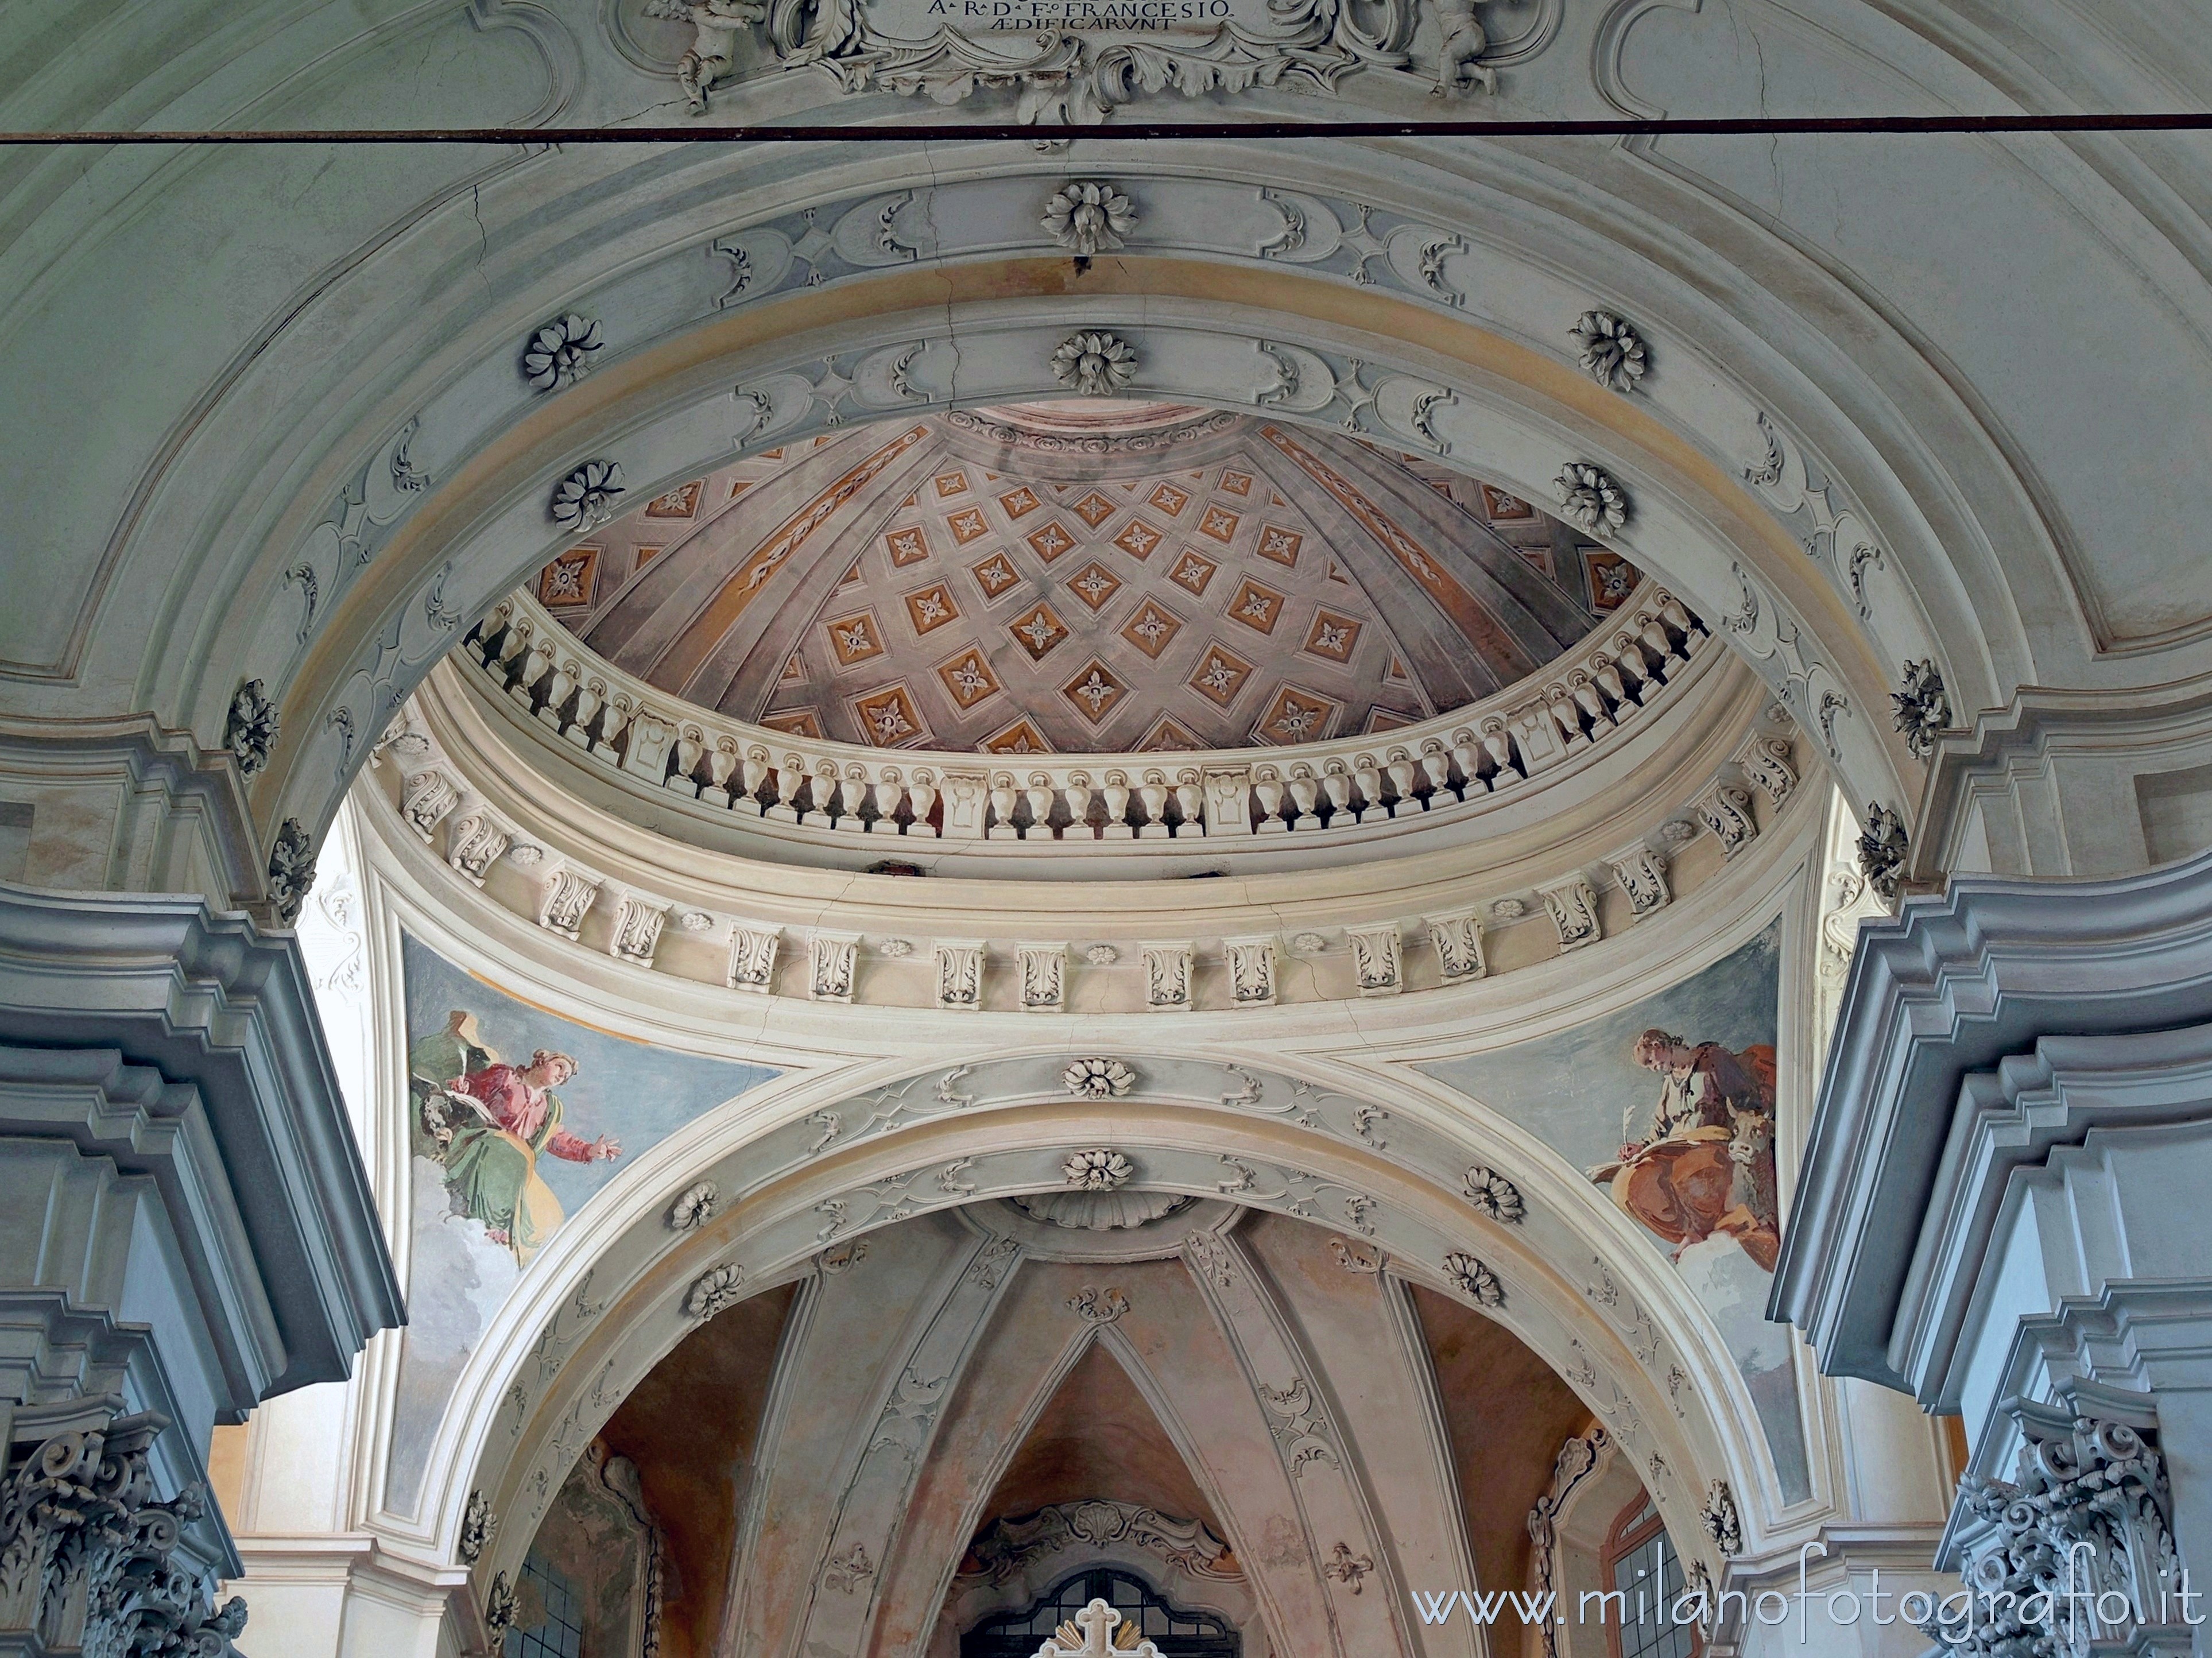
488	1122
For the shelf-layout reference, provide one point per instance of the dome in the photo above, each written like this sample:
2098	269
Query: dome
1087	576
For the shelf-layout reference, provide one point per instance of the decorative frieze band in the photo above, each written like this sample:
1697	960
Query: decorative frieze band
566	894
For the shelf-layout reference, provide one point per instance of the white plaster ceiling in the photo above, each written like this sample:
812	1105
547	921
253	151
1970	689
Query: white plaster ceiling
1082	577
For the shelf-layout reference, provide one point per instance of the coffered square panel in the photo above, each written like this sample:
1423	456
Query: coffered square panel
1094	584
1021	737
682	501
1256	607
1096	690
571	579
854	638
1278	543
1153	627
1138	538
889	719
1219	523
1331	636
1094	508
907	546
995	574
1038	631
1193	570
1050	540
969	677
931	608
1220	674
1295	714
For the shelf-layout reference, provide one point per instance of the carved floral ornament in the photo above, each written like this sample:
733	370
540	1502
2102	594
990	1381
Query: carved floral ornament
586	498
1064	77
1883	849
1097	1170
1612	352
1088	217
1094	364
560	353
1590	499
1923	708
1099	1079
250	730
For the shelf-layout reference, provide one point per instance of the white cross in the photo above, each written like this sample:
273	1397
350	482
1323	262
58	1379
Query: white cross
1094	1638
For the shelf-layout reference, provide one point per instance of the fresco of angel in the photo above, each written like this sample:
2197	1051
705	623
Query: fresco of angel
487	1122
1705	1164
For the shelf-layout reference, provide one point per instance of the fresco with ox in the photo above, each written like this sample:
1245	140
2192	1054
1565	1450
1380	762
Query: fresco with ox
516	1118
1669	1106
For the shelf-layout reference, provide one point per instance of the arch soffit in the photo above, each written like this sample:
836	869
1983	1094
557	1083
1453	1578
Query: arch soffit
1523	415
606	1341
574	1311
467	360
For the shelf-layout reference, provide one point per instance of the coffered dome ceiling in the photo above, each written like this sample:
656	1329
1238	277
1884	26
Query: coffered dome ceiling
1082	577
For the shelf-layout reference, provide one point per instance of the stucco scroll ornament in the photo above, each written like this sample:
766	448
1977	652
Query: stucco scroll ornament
559	352
2088	1527
1346	1567
586	498
250	731
715	1290
1590	499
713	51
1613	353
1094	364
1088	216
1098	1079
1096	1306
1923	707
1010	1545
82	1539
1081	77
1883	849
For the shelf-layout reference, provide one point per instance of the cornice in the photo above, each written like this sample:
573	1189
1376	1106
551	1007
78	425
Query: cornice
1956	985
455	774
203	998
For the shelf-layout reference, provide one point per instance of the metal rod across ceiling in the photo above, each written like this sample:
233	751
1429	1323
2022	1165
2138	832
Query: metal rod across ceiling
973	132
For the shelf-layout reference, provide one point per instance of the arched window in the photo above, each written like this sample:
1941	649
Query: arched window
1638	1562
561	1634
1185	1634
